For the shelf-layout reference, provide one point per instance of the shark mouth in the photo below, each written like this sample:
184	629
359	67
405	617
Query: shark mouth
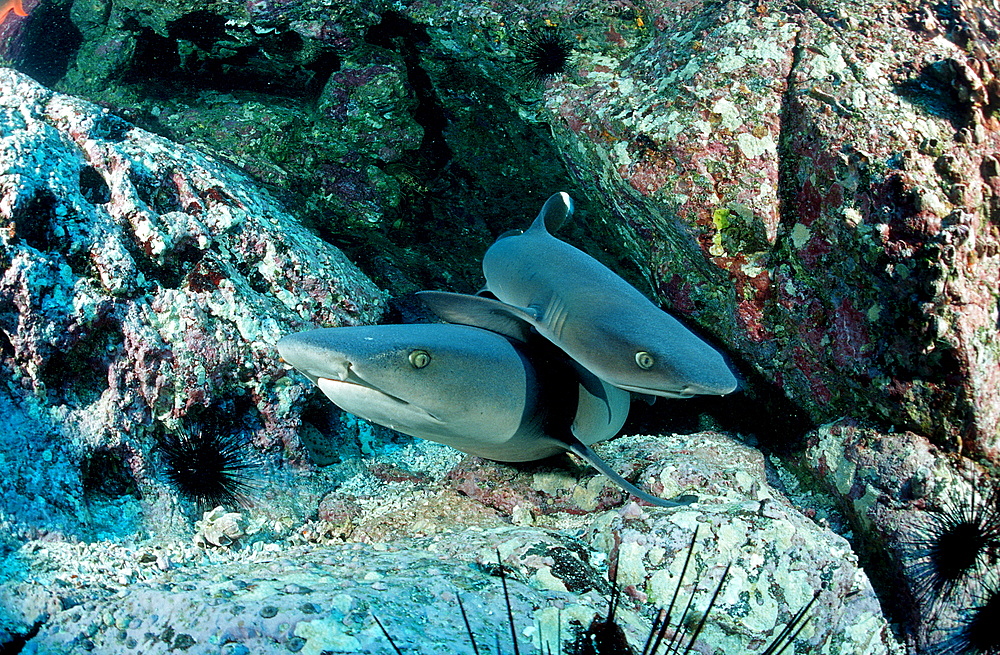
363	399
659	392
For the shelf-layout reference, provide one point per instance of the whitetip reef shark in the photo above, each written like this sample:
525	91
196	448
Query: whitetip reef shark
599	320
472	389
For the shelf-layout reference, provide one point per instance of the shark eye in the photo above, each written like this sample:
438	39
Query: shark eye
644	360
420	358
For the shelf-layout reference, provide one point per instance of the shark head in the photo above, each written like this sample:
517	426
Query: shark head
650	352
453	384
621	338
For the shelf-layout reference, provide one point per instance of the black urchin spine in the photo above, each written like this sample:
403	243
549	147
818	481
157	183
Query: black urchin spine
951	545
542	53
978	632
208	467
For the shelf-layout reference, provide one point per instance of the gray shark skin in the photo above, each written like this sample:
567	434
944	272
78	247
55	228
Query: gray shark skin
472	389
592	314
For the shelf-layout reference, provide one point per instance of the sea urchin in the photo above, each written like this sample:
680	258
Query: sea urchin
208	467
951	544
977	633
542	53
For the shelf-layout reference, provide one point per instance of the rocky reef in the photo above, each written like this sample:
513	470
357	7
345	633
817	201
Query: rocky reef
812	186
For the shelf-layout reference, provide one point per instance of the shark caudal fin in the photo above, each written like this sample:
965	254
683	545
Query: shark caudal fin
592	458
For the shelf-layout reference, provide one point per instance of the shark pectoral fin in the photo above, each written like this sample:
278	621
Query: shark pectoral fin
601	409
477	311
555	212
584	452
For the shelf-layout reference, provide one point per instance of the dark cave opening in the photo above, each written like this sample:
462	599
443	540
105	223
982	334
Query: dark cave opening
215	59
106	476
51	42
93	186
397	33
33	220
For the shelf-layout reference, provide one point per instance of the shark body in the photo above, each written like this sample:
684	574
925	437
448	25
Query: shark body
472	389
599	320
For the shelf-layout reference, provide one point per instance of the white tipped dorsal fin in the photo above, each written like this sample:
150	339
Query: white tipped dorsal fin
555	212
480	312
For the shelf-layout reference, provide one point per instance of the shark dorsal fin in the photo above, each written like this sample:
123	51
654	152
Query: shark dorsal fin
478	311
555	212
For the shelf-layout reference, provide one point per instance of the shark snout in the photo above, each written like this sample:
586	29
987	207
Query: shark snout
714	381
313	358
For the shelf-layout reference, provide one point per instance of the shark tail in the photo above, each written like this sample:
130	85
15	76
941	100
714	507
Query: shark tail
584	452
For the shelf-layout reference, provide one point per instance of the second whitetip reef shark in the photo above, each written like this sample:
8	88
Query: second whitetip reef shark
546	367
582	306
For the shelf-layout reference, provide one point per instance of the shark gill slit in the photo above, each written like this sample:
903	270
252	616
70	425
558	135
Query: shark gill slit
556	314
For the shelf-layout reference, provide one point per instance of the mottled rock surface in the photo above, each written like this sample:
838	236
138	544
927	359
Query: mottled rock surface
895	487
142	288
813	184
319	591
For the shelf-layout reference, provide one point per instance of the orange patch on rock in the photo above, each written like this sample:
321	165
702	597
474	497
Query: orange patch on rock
9	6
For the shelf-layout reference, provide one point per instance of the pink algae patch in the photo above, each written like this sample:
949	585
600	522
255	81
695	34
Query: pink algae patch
850	335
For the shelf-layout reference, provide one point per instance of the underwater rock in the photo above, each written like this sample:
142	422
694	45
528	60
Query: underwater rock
666	466
142	287
897	489
779	556
313	598
823	206
305	599
816	188
525	492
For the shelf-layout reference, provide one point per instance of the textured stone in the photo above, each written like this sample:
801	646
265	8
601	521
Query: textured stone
814	188
142	287
328	595
813	184
891	486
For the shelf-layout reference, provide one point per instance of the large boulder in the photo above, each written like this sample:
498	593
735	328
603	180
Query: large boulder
916	511
142	288
414	545
816	188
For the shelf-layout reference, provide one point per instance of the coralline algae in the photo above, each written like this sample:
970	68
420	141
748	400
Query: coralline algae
152	306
